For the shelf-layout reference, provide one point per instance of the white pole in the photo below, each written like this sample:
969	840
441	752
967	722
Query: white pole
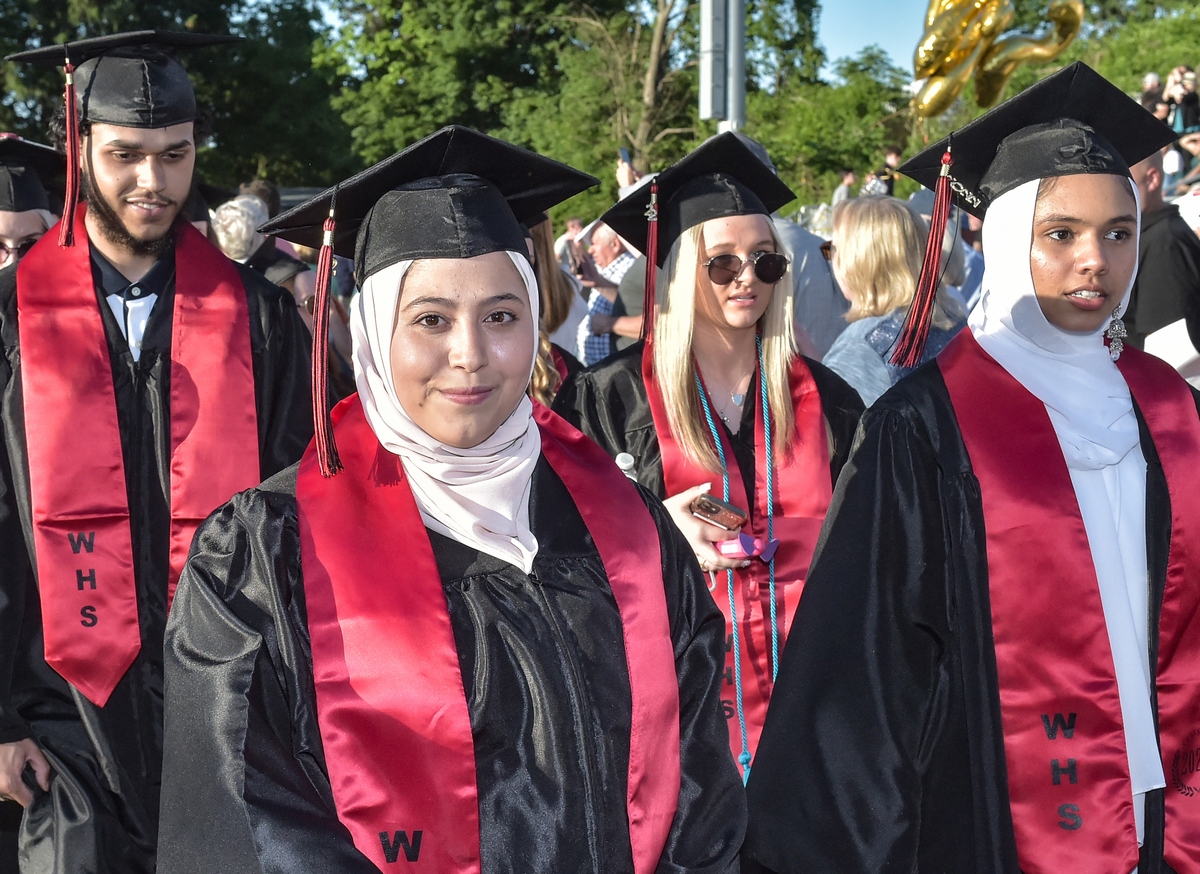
736	68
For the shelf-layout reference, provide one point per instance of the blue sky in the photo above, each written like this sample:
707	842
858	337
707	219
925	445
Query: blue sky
848	26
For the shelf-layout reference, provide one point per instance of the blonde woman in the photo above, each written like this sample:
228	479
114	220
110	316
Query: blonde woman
687	407
876	251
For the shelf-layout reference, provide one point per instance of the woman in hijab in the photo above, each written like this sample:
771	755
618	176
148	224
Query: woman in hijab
455	636
995	661
718	404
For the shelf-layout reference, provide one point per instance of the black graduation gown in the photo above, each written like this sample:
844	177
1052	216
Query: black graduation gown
245	784
101	814
608	403
882	749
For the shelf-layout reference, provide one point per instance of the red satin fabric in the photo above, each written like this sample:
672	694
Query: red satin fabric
214	423
386	667
76	469
803	492
1054	663
1170	414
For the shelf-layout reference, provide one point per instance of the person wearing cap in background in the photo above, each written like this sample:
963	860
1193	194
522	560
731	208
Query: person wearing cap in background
718	400
25	208
993	667
146	379
455	634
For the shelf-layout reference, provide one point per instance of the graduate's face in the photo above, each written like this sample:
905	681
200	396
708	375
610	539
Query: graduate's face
739	304
1084	249
142	176
463	346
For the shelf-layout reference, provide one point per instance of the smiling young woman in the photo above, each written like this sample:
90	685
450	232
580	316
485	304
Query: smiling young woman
718	400
996	652
472	640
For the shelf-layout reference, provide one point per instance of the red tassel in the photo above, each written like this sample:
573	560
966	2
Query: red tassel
910	345
651	263
327	454
66	227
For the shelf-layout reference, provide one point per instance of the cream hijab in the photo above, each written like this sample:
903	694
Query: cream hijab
477	496
1092	412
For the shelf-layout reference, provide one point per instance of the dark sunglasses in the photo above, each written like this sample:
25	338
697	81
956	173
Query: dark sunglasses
769	267
827	250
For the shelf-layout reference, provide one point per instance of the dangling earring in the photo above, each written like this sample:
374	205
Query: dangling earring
1116	334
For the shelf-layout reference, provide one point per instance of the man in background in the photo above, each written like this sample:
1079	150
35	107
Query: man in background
1167	288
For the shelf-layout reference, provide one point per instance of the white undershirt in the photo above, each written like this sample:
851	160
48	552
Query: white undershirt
132	316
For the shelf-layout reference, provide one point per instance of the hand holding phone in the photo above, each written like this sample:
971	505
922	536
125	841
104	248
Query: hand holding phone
717	512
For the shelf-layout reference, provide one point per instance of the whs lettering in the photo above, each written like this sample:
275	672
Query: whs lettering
85	580
1064	772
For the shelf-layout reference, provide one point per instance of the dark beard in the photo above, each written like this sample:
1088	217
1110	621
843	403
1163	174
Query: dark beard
113	229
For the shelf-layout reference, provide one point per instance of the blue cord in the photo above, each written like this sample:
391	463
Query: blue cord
744	757
767	447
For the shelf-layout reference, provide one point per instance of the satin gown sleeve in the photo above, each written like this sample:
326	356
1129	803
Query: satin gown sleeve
711	819
867	713
244	786
283	394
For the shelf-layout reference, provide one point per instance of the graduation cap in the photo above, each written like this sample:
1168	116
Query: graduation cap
455	194
1073	122
721	178
125	79
25	167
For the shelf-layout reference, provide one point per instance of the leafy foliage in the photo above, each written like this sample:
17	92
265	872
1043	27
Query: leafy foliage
272	109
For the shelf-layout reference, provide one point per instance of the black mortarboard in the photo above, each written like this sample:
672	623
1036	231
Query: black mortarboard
721	178
129	79
125	79
25	168
455	194
1072	122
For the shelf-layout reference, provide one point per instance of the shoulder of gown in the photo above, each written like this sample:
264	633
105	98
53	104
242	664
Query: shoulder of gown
884	696
241	703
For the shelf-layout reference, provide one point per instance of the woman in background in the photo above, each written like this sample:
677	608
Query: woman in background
876	252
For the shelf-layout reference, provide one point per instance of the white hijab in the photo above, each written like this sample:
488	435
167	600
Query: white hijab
478	496
1092	412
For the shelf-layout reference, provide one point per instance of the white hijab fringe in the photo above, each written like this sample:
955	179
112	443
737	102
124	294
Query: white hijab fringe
477	496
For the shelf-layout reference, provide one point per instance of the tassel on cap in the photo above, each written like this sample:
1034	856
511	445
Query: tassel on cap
910	345
651	263
66	227
327	454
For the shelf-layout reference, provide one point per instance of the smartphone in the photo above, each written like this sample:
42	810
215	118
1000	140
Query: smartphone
624	153
717	512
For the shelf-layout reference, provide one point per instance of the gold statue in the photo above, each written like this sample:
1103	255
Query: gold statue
962	38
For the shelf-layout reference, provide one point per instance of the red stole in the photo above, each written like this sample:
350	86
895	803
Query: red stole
81	532
1068	772
390	698
803	491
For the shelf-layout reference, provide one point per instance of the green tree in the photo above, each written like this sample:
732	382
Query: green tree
814	129
412	66
272	111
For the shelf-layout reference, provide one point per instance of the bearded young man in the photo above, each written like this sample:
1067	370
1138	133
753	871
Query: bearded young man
145	379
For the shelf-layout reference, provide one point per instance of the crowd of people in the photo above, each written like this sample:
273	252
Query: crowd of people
391	530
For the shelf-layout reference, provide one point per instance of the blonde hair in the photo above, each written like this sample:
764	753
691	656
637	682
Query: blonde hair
546	380
674	366
880	244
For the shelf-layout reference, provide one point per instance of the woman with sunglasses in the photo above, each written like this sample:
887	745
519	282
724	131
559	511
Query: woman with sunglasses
717	404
